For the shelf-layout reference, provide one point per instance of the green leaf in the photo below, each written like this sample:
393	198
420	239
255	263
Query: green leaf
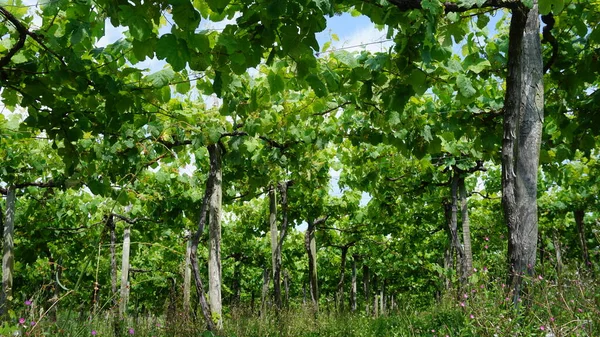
418	80
186	16
476	64
217	5
465	86
346	58
276	83
434	6
140	27
218	83
317	85
174	50
161	78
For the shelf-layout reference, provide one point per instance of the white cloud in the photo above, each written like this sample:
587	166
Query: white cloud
368	38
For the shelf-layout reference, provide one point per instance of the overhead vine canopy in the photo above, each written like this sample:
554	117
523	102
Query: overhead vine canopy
472	97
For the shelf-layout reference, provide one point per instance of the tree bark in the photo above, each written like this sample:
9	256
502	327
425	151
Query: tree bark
340	286
8	258
310	245
523	121
278	260
274	232
366	286
454	228
265	291
585	255
187	274
236	287
558	252
210	183
125	272
214	239
353	285
466	229
113	258
375	297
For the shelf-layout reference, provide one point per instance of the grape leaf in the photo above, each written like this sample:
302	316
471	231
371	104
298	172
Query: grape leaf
465	86
161	78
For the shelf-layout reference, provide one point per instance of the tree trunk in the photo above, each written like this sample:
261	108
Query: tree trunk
310	245
8	258
585	255
113	274
113	258
278	260
466	229
558	252
453	225
340	286
214	237
265	291
286	287
449	251
366	287
125	272
375	297
187	274
353	285
210	183
523	121
274	232
236	287
382	298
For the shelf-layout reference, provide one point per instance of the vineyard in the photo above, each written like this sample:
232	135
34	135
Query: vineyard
233	168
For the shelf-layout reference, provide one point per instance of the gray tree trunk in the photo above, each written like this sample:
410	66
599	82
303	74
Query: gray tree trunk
8	257
274	231
585	255
278	260
210	184
366	287
310	244
353	285
340	286
466	230
558	252
187	274
523	121
214	238
264	292
125	272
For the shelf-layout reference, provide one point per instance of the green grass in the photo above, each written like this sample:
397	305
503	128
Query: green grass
484	308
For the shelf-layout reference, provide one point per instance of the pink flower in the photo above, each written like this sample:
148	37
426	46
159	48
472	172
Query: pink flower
21	320
542	328
131	331
580	310
94	333
32	323
540	277
485	269
462	304
551	319
486	246
28	302
472	316
465	296
486	238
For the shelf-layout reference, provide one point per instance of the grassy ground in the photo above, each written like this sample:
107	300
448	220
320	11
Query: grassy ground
571	308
